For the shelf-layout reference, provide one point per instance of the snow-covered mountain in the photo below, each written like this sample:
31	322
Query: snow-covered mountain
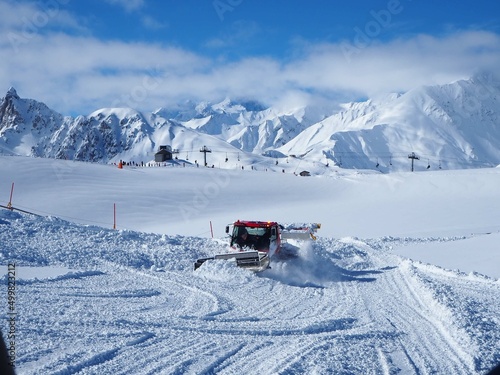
447	126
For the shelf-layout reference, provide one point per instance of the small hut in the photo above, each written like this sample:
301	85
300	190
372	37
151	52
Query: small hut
164	153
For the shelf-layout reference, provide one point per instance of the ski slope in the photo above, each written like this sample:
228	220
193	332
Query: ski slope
368	297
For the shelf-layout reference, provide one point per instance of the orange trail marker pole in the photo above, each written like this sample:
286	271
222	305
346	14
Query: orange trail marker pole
9	205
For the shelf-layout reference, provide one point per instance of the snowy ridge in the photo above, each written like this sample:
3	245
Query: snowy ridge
449	127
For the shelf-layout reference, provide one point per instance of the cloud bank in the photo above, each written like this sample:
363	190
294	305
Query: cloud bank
46	54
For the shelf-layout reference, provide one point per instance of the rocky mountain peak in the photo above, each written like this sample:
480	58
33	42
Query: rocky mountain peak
11	93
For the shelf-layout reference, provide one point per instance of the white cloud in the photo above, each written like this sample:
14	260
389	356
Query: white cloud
19	22
152	23
240	32
398	65
128	5
78	74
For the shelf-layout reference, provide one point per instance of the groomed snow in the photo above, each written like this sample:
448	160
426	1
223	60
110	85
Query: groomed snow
400	280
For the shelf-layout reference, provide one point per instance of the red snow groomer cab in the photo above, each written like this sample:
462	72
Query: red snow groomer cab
253	243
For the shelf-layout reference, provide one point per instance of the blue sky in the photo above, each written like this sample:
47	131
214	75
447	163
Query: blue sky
240	28
78	56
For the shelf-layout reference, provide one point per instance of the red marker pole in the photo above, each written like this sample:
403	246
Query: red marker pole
9	205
